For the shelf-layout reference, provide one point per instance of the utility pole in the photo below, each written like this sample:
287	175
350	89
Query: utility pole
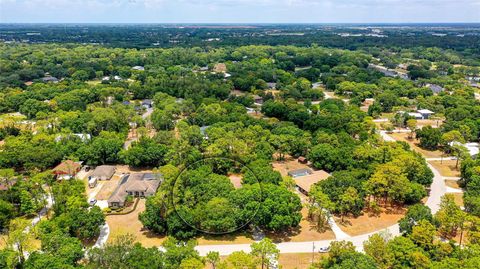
313	251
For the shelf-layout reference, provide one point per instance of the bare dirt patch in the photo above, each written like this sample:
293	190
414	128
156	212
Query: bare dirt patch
446	168
414	144
130	224
458	198
368	223
298	260
289	164
236	180
452	184
433	123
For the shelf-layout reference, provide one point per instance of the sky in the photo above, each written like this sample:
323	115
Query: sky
239	11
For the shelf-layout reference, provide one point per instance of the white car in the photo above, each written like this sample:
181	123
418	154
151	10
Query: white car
92	202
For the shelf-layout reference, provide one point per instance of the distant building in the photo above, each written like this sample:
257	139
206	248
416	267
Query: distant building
425	113
147	103
421	114
138	68
67	169
435	88
136	185
272	85
50	79
258	99
203	130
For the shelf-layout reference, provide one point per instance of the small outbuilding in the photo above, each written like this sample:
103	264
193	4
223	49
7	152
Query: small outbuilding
302	159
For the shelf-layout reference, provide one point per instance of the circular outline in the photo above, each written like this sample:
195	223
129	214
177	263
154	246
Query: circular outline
209	232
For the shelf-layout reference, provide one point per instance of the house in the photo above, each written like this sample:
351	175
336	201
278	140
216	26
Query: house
258	99
425	113
416	115
147	103
272	85
421	114
138	68
47	79
103	172
5	185
136	185
435	88
203	130
67	169
305	183
83	137
300	172
472	148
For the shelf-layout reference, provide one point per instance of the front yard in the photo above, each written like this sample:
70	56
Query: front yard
368	223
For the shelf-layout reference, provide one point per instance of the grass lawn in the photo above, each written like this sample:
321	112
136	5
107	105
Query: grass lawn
446	168
129	224
367	223
414	145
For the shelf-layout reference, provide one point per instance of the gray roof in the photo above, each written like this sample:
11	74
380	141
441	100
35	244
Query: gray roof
137	182
103	171
300	172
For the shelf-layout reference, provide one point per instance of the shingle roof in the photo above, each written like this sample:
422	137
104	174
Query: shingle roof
67	167
103	171
306	182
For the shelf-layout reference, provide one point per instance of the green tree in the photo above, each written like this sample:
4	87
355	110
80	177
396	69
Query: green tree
266	251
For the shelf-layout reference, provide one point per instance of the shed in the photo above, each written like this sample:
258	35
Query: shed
302	159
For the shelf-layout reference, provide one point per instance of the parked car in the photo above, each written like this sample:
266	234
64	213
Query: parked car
323	249
92	202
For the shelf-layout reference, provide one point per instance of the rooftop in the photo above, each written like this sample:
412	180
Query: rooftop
306	182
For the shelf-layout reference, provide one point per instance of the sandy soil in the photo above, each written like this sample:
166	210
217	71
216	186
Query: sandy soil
452	184
298	260
367	223
414	145
458	198
289	164
130	224
446	168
